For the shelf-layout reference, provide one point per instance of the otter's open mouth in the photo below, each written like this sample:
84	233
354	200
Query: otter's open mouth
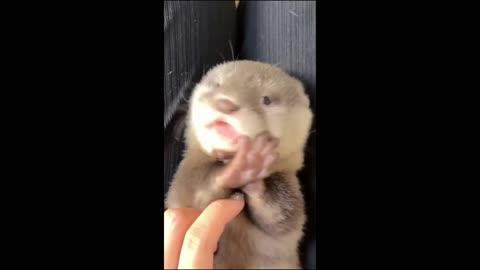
225	130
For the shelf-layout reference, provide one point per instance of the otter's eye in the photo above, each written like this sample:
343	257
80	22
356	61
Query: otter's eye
266	100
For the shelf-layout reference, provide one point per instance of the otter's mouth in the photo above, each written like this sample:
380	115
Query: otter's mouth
225	130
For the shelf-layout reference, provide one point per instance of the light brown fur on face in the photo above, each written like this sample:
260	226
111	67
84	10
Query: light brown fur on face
263	164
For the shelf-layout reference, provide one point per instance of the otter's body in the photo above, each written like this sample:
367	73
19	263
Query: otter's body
261	102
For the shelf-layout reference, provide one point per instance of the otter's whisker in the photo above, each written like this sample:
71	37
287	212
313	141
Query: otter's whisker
222	56
182	96
233	55
231	48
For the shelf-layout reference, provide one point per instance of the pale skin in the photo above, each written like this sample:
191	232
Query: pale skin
191	236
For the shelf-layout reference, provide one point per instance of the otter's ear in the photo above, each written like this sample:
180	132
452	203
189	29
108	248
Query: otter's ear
303	95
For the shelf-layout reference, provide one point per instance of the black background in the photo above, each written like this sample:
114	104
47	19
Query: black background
83	104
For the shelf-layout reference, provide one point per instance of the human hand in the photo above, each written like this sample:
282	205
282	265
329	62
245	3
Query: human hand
191	236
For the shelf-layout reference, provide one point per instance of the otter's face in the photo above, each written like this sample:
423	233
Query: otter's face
247	98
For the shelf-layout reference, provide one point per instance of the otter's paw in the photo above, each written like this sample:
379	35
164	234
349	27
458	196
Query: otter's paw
251	163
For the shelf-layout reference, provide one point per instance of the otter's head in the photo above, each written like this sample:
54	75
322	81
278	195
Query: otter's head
248	98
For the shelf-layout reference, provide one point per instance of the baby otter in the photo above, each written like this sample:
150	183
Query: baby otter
247	126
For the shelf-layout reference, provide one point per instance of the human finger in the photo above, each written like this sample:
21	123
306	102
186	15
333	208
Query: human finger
177	222
201	239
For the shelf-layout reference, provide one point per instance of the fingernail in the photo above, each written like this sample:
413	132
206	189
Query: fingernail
237	196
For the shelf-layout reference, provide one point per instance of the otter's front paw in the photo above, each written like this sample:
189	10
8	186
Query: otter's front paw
251	163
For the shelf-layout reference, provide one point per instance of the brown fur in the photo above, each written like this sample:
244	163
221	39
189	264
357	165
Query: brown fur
267	232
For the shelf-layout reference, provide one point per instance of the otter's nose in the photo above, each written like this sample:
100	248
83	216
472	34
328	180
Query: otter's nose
225	106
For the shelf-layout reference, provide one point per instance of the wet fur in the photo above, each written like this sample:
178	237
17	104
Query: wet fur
267	232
